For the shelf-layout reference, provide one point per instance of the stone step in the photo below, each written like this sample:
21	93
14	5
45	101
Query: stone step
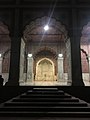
43	114
45	92
45	96
45	109
46	104
45	100
45	88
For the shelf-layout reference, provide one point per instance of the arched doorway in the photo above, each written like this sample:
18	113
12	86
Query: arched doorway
45	70
37	43
5	46
85	54
45	66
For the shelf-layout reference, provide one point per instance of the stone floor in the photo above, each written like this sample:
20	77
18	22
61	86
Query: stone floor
44	83
51	83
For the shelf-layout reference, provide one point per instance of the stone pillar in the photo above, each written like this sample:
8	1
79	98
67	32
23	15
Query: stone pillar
60	67
14	70
75	49
30	68
68	52
21	78
1	65
89	66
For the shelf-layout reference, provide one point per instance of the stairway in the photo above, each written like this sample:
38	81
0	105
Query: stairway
42	102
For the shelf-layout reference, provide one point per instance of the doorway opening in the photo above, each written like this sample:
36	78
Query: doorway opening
45	70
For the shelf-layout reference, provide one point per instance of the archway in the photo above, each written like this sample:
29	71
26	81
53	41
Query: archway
5	46
48	44
85	54
45	70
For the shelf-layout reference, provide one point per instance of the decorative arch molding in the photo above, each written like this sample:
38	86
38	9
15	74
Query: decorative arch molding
6	61
4	28
48	73
7	52
85	41
41	22
4	33
86	29
85	51
5	41
85	34
45	59
45	49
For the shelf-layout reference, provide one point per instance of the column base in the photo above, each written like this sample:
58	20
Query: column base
11	83
78	83
69	82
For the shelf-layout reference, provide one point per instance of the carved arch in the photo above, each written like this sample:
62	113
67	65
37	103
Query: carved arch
60	28
45	49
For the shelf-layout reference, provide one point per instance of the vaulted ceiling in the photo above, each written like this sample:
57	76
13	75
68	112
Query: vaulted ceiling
35	30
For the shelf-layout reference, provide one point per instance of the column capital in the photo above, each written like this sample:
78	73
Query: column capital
60	56
29	56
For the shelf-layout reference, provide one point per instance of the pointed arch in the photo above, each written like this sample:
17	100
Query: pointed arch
45	69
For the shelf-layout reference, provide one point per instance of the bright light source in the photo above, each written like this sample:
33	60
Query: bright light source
29	55
46	27
60	55
0	55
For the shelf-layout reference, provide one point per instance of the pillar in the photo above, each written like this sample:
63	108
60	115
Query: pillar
89	66
30	68
1	64
14	70
68	53
22	50
76	68
60	67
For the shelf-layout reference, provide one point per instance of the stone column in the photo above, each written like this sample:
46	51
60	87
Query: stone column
21	77
68	50
60	67
89	66
75	49
1	65
14	70
30	68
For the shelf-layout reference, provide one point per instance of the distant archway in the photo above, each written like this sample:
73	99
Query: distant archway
48	44
45	70
85	53
5	46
